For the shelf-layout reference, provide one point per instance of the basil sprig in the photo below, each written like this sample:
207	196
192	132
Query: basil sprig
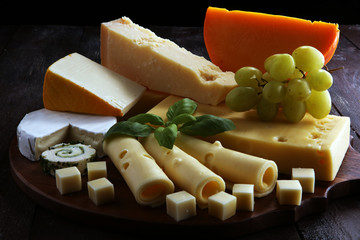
180	118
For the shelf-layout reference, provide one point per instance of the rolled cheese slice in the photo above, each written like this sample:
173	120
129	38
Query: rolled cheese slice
146	180
185	171
233	166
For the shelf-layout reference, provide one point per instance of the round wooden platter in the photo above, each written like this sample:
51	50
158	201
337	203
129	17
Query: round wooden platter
125	214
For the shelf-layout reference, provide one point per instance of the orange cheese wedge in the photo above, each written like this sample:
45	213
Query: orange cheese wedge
235	39
77	84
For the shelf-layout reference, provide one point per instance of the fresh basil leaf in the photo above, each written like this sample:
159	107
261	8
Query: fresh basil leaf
183	118
147	118
133	129
166	136
184	105
207	125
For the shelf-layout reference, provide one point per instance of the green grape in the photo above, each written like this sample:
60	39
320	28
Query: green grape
266	110
319	104
308	58
298	89
319	80
241	99
280	66
297	74
293	110
248	77
274	91
266	77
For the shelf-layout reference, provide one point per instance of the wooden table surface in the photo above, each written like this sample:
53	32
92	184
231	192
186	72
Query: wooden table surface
25	53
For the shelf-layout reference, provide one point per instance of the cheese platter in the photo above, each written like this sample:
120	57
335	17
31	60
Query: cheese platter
285	130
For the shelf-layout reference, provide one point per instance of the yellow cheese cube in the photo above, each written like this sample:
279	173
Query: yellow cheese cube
306	177
96	170
180	205
101	191
222	205
244	194
68	180
288	192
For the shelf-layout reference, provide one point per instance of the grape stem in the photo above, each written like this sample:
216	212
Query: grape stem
334	69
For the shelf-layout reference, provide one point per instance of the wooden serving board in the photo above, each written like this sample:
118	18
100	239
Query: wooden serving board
125	214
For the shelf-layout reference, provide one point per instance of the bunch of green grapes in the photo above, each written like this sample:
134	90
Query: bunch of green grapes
296	83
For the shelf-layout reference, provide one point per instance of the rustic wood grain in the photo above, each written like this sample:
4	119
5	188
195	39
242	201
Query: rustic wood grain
25	53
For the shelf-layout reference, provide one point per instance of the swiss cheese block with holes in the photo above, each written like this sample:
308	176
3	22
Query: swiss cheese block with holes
320	144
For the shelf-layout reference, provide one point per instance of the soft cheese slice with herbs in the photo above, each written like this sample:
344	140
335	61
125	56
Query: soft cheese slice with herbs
43	128
75	83
311	143
160	64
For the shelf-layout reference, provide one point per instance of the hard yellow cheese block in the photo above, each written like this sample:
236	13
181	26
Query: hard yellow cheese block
311	143
75	83
160	64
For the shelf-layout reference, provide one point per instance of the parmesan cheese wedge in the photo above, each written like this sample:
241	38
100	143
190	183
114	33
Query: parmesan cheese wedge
146	180
160	64
320	144
231	165
185	171
75	83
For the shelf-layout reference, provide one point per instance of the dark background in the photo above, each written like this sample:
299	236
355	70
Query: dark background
167	13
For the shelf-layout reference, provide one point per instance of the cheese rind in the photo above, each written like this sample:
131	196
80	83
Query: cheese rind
75	83
185	171
43	128
146	180
320	144
160	64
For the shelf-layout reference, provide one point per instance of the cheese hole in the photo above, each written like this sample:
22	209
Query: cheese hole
208	158
268	177
281	139
126	165
147	156
122	154
153	191
210	189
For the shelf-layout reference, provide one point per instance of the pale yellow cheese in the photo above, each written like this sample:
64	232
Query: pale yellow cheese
311	143
289	192
101	191
244	194
68	180
306	177
146	180
222	205
231	165
96	170
160	64
180	205
185	171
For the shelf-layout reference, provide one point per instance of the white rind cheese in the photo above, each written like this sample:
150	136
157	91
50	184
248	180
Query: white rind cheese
44	128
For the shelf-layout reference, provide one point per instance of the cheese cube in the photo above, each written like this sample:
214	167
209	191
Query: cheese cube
96	170
288	192
306	177
222	205
101	191
244	194
68	180
180	205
